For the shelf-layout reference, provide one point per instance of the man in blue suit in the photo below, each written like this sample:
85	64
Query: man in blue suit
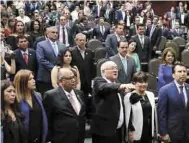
113	39
46	53
173	107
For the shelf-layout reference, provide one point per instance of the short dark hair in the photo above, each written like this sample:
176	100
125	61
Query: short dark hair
140	25
118	24
20	37
121	40
178	64
140	76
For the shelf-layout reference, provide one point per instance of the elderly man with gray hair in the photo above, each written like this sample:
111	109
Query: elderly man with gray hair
108	118
65	110
47	52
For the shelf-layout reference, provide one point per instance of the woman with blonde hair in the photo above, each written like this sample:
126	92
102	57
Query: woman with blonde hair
30	104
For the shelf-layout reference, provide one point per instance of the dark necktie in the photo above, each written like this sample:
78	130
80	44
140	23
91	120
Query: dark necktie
182	95
64	38
26	57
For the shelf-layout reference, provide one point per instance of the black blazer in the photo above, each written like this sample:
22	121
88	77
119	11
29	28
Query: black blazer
98	33
157	33
107	107
9	132
85	66
64	124
144	53
32	61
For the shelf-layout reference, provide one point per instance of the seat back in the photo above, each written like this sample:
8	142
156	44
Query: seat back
93	44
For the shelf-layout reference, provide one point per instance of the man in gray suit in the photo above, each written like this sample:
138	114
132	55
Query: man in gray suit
113	39
126	65
46	53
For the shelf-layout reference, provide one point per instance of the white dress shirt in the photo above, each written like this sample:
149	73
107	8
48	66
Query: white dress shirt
121	117
78	105
184	91
61	35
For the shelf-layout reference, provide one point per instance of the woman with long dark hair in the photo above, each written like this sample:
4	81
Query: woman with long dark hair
65	61
11	119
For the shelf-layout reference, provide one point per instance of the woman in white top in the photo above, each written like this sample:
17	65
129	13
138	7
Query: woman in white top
65	61
139	109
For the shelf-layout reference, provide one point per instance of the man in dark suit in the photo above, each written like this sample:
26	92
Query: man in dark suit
108	118
126	65
101	31
24	56
143	45
113	39
47	52
173	107
83	59
177	31
133	28
65	110
154	32
64	32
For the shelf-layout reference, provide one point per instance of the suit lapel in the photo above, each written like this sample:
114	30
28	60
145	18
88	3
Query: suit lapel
51	48
80	101
21	56
177	94
65	99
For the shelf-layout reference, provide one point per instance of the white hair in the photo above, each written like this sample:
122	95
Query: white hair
105	65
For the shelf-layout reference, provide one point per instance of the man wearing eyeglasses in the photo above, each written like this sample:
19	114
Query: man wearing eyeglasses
65	110
126	65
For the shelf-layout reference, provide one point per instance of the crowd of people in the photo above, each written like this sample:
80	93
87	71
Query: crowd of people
49	84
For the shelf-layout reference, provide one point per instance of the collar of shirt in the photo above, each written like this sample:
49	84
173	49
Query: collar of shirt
107	80
178	85
121	57
81	50
53	43
61	27
67	93
118	37
24	51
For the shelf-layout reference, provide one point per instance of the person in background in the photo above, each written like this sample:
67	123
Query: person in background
165	69
132	53
30	105
65	61
6	55
35	30
11	119
19	29
139	111
10	26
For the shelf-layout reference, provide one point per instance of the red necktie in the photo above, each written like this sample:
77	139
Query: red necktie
26	57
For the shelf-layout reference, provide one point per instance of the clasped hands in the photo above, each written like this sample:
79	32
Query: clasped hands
127	87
